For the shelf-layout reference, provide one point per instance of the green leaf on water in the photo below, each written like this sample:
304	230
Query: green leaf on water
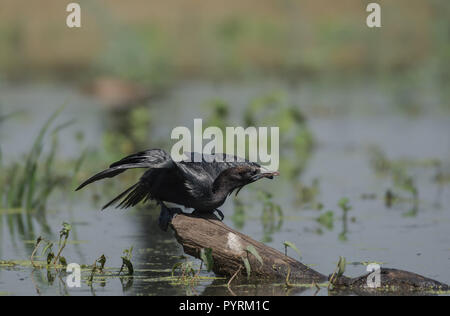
102	261
326	219
341	266
176	266
247	267
65	231
48	246
206	256
63	261
50	257
343	204
127	263
254	252
293	246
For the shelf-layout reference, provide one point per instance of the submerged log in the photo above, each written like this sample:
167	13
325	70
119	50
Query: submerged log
392	280
230	248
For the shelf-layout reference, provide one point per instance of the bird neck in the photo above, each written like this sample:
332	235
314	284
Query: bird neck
222	187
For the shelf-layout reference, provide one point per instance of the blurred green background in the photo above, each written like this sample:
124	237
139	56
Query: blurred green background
160	41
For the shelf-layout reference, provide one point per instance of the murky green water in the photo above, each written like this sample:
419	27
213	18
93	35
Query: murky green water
346	127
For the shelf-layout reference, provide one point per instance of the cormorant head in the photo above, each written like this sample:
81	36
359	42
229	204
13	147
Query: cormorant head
240	176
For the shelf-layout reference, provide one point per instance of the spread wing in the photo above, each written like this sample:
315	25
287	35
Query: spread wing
152	158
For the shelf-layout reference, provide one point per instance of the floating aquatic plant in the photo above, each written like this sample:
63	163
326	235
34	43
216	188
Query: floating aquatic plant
338	272
206	256
326	219
126	261
272	215
288	244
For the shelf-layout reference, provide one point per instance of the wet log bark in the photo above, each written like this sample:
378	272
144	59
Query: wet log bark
392	280
229	248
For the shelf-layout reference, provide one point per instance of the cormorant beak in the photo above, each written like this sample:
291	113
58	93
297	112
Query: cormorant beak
268	175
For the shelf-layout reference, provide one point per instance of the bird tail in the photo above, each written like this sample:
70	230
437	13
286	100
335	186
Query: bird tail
153	158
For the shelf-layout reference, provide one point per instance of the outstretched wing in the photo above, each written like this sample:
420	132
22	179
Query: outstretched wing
152	158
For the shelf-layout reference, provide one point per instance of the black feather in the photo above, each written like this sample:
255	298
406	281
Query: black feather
153	158
121	195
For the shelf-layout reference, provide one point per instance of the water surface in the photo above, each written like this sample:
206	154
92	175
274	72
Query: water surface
345	125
